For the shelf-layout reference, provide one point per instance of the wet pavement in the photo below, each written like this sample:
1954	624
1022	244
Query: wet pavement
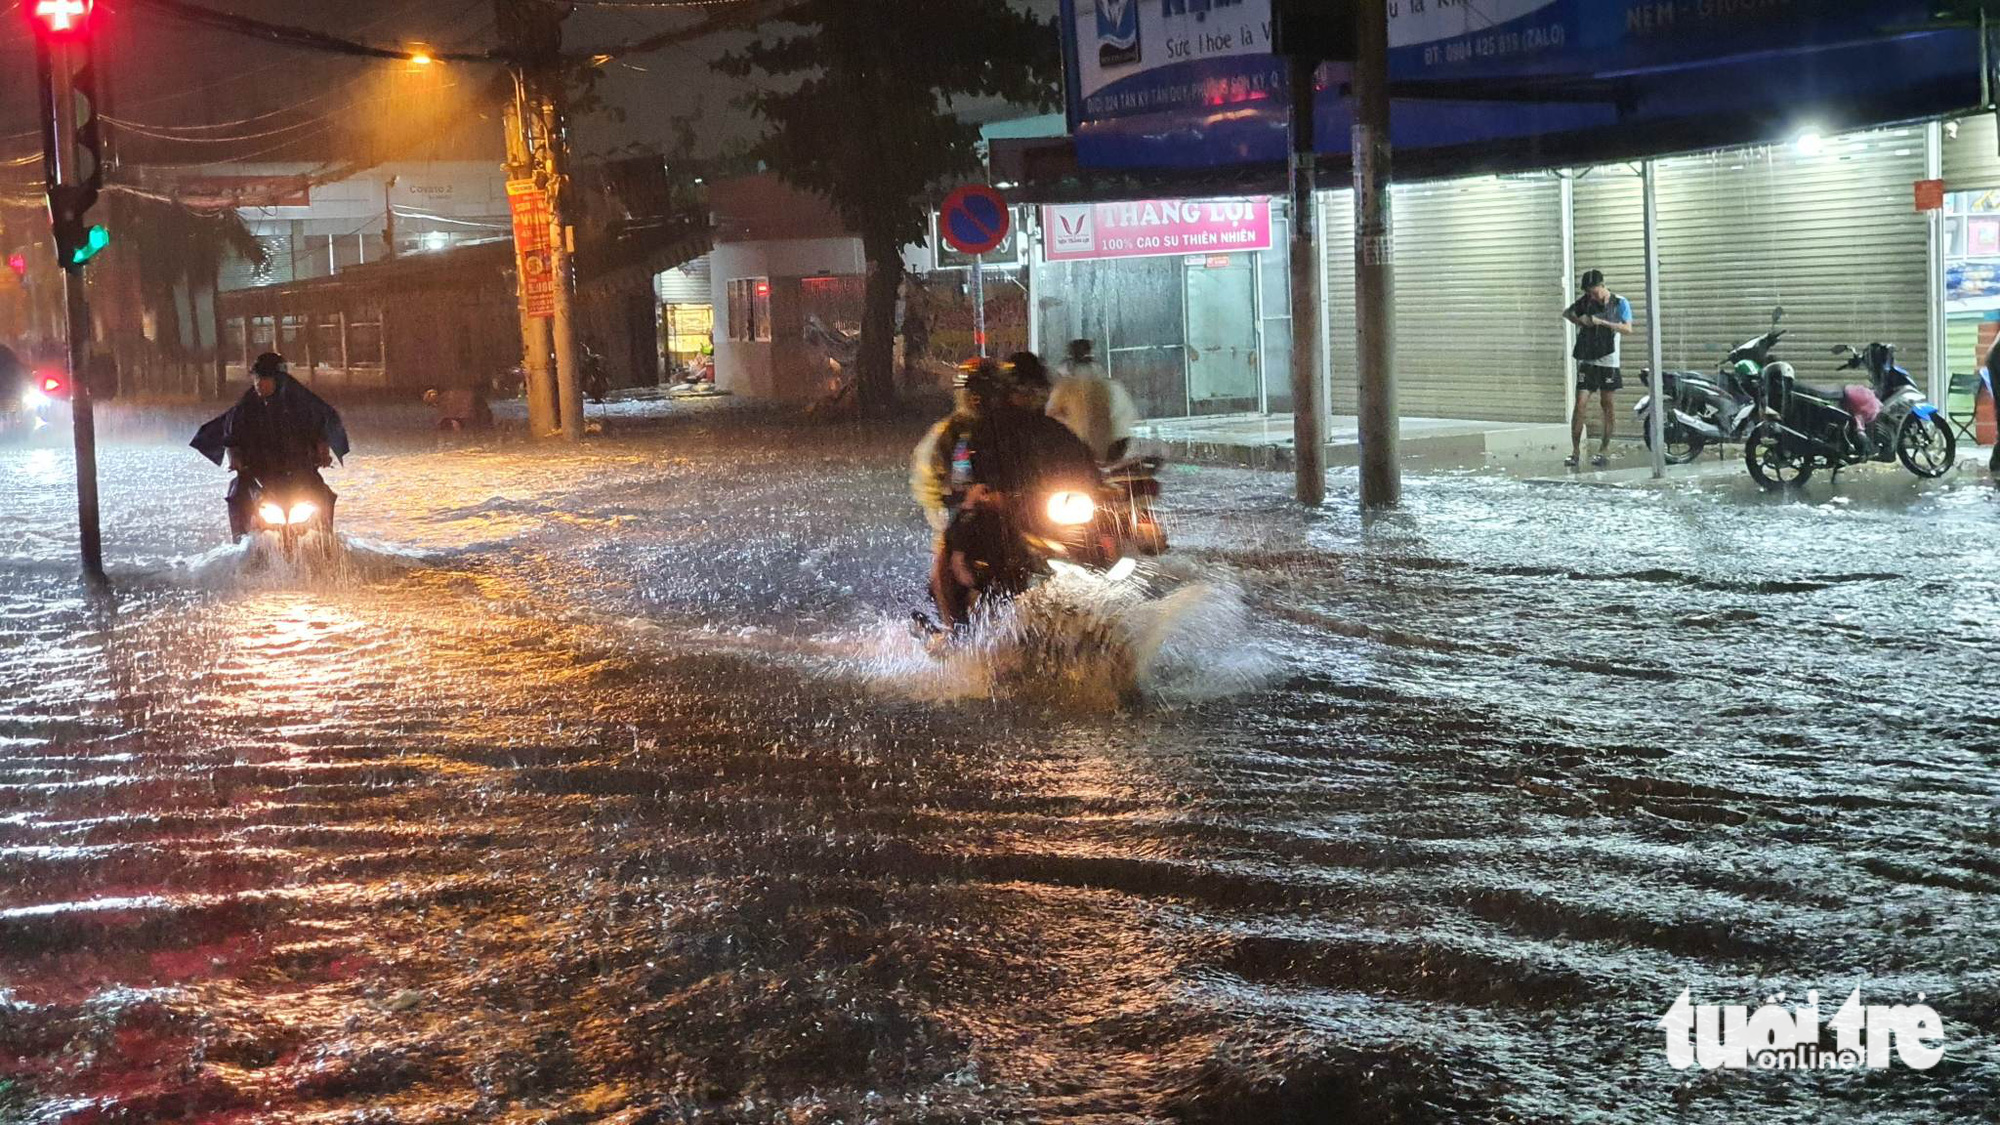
605	786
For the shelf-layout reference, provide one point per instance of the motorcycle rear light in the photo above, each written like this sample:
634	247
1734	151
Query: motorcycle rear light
51	384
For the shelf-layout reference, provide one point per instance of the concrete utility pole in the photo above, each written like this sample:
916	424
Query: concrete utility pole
1308	443
1375	261
540	386
555	166
531	33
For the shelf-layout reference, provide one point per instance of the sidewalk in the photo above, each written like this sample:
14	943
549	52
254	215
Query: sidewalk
1532	452
1427	443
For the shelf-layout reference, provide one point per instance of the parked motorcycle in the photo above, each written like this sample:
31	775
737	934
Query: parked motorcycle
1804	428
1708	409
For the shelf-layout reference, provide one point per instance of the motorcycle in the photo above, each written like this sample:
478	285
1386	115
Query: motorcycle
1105	532
38	409
1711	409
289	510
1804	428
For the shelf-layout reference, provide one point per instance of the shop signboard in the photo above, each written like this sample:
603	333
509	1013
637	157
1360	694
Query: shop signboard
1193	83
1152	227
534	246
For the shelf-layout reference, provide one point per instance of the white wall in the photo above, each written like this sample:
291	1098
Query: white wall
748	369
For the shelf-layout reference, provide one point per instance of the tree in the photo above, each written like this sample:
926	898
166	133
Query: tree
871	122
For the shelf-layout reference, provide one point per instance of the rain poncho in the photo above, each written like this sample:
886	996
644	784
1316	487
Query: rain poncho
281	433
1098	411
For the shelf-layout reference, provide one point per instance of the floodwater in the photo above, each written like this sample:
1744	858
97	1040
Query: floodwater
605	786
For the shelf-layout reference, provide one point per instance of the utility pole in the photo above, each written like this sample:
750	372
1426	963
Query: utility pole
541	386
555	167
531	33
1308	444
1375	261
74	166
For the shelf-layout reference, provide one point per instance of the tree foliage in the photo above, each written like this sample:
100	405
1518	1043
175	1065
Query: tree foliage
865	112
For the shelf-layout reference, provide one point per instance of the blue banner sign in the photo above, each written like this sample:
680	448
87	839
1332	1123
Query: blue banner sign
1192	83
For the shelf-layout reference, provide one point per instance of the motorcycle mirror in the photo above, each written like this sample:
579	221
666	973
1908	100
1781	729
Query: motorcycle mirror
1840	349
1777	315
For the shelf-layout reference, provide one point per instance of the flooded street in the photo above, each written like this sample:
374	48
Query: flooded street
607	786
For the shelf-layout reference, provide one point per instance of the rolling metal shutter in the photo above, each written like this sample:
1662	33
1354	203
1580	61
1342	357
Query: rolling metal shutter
686	284
1972	157
1479	272
1337	244
1832	237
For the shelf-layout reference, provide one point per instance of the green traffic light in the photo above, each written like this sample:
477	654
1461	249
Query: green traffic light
94	243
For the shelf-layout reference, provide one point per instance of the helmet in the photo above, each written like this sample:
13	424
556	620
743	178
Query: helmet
1026	370
980	376
270	365
1745	368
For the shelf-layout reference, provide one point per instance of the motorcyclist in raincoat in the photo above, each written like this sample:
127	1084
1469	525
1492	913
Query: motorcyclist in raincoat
977	467
278	430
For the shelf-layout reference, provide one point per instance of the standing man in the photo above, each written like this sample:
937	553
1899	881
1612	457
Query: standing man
1601	318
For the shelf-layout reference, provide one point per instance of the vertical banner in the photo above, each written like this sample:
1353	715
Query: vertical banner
529	206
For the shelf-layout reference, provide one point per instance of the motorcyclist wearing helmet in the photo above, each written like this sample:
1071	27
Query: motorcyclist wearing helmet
277	430
980	466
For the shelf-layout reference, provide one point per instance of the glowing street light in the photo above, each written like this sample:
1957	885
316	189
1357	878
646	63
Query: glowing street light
421	58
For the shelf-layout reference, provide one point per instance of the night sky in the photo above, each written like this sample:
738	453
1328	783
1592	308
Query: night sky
170	74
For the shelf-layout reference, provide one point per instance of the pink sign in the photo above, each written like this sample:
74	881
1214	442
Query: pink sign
1076	232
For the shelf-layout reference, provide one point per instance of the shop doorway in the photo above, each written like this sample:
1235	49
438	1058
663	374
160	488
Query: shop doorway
1224	366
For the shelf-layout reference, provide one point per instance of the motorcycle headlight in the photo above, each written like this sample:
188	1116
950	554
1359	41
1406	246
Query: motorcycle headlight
271	514
1071	509
34	399
302	511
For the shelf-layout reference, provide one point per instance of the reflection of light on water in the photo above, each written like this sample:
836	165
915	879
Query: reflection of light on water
46	467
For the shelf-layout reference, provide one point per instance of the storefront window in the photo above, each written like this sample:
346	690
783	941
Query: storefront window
327	343
233	341
364	343
750	309
688	329
1275	300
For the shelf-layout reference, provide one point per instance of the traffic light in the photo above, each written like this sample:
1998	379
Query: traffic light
67	69
59	19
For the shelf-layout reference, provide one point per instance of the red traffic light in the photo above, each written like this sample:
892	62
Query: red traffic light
59	19
52	384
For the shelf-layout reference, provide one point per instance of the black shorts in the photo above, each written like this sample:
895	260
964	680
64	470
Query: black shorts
1590	377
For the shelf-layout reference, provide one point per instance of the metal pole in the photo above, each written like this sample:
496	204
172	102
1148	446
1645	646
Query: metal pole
979	303
1939	335
1568	181
1308	440
1031	236
1657	419
62	165
1375	261
389	217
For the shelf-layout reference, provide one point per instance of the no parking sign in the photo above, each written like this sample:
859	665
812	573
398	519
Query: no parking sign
975	219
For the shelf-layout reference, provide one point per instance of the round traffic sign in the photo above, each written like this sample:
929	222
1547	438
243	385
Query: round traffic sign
974	219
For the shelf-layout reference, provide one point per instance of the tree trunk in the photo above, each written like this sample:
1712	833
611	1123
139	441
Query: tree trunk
875	366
